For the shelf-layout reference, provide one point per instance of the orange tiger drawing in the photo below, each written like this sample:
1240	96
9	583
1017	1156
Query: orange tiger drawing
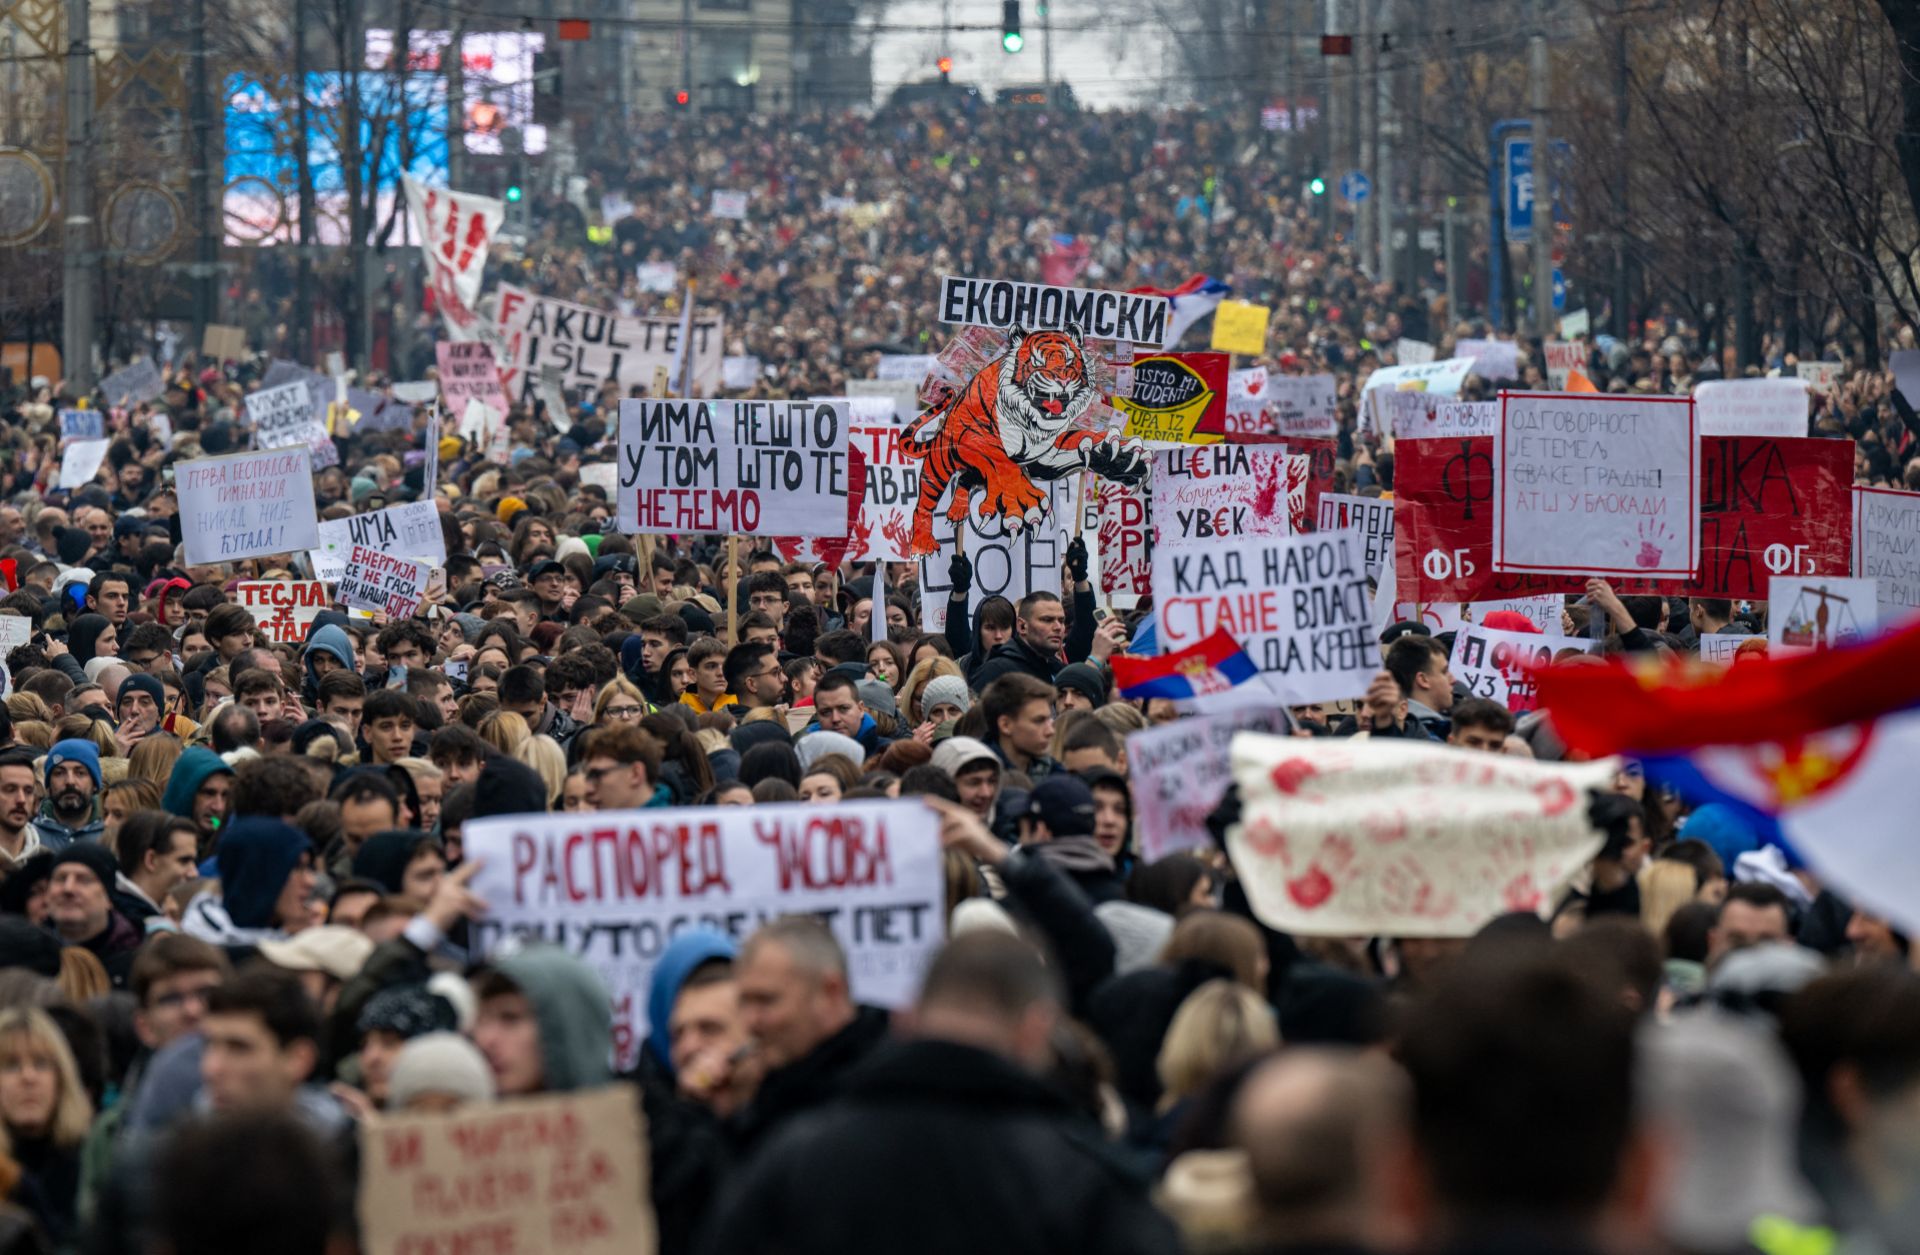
1014	423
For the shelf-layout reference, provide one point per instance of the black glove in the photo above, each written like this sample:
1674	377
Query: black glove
960	575
1124	462
1077	560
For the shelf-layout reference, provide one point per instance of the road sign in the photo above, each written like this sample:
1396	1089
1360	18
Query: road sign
1559	293
1518	181
1355	186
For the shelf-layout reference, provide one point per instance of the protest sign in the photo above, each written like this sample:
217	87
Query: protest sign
727	204
886	511
1298	605
83	424
1088	312
284	415
1444	377
1005	564
604	475
592	346
1178	398
1886	548
221	343
80	462
130	385
1499	665
1493	360
1412	352
468	373
1726	647
1752	407
1594	484
246	505
409	530
775	468
902	397
283	609
657	276
1240	327
904	367
1399	839
1247	410
456	229
556	1172
1443	524
1543	611
1126	543
1821	377
739	372
416	391
1439	418
1577	324
1179	771
1821	613
1563	356
616	887
1225	492
1303	406
15	630
1372	516
378	581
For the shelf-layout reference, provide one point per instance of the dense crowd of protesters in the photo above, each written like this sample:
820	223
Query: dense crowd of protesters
234	908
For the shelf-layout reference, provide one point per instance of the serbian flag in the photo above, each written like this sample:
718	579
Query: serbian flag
1064	262
1213	665
1191	301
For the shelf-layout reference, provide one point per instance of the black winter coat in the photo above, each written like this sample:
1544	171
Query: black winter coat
807	1082
938	1147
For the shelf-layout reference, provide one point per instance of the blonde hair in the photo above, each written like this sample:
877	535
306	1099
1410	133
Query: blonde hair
25	706
1666	885
72	1110
1221	1024
82	978
153	758
927	669
1121	717
505	731
36	733
618	684
544	755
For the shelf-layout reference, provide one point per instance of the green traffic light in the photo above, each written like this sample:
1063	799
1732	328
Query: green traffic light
1318	186
513	193
1013	41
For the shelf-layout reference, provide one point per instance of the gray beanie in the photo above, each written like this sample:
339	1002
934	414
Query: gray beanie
439	1063
946	690
815	746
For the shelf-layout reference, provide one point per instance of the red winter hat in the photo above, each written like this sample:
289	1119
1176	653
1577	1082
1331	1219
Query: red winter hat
1510	621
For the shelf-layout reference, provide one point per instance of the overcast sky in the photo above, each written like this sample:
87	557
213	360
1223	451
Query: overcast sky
1105	67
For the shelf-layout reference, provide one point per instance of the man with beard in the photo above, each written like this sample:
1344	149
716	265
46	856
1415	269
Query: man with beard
73	783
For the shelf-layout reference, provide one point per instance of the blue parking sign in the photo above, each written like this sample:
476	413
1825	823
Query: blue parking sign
1517	180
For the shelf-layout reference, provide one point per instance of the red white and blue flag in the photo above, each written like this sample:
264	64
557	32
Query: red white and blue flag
1191	301
1213	665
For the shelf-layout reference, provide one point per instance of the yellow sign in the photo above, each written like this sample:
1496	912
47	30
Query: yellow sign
1240	327
1171	400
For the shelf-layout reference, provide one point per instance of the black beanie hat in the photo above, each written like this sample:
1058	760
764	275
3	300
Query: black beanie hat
25	945
508	786
91	855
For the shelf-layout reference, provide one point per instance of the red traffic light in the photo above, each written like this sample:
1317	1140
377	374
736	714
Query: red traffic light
945	64
681	97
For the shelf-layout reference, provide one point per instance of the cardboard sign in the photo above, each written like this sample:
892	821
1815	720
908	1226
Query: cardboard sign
1005	564
1727	648
1821	377
1248	410
380	582
904	367
592	346
246	505
283	609
80	462
1304	406
616	887
410	530
1226	492
222	343
558	1172
1493	360
1298	605
1178	398
1444	377
773	468
1822	613
1499	665
657	276
1090	313
1593	484
1437	419
739	372
1886	546
1240	327
469	373
83	424
1543	611
1412	352
728	205
1752	407
1126	543
1179	771
886	510
1354	838
1371	516
283	416
1563	357
130	385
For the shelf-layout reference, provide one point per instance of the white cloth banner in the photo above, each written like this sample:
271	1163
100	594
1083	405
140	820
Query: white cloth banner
592	346
456	229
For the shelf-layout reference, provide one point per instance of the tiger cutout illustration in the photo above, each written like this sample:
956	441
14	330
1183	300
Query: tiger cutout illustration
1013	424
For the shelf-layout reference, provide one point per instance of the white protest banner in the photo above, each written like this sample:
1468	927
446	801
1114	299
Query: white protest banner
1373	516
1441	418
410	530
1820	377
902	397
616	887
1248	410
1596	484
886	510
83	424
1126	542
283	609
381	582
1094	314
603	475
1212	493
1298	605
468	372
1499	665
556	1172
1355	838
1444	377
1412	352
1820	613
1725	647
415	391
1303	406
246	505
1752	407
1542	611
1493	360
774	468
728	204
1005	564
658	276
81	462
1562	357
904	367
739	372
456	229
592	346
130	385
1179	771
1886	548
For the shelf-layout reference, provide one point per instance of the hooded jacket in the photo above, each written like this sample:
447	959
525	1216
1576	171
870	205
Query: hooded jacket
677	962
330	639
254	859
195	764
574	1013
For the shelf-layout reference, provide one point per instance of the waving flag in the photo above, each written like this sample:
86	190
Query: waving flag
1213	665
1192	301
1065	261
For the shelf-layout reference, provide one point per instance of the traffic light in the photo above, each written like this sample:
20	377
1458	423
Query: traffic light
1010	37
945	65
514	193
1317	185
681	97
